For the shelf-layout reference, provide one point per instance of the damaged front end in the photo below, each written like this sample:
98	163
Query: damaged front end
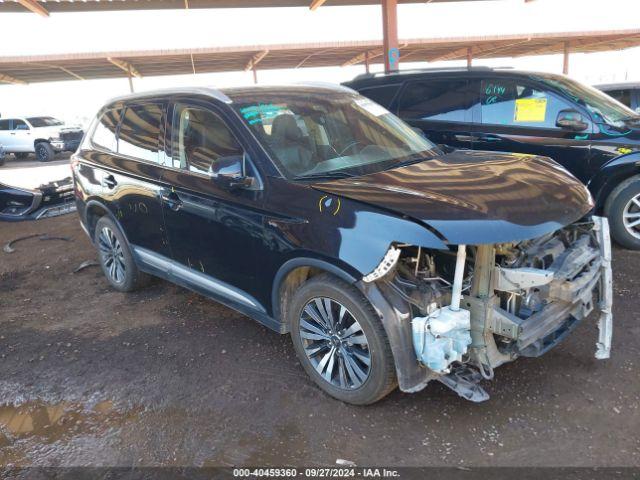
48	200
454	316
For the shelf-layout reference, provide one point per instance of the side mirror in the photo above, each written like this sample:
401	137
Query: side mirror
571	120
229	173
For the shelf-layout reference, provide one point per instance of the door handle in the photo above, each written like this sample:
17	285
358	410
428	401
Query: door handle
489	138
109	182
12	133
172	200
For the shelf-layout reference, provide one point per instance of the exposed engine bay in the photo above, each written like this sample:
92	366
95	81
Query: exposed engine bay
486	305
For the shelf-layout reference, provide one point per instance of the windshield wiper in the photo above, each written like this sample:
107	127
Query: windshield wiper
324	176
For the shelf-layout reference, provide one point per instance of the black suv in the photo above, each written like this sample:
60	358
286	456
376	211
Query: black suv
315	211
593	136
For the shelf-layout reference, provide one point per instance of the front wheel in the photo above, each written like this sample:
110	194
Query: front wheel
44	152
340	341
623	210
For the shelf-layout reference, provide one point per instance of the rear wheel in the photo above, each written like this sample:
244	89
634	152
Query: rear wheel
623	210
116	259
340	341
44	152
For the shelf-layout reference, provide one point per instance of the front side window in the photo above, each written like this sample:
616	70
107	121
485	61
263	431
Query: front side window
509	102
20	125
602	107
445	100
139	133
104	134
201	138
38	122
319	133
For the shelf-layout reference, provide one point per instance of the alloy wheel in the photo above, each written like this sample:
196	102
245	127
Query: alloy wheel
111	255
631	216
42	153
335	343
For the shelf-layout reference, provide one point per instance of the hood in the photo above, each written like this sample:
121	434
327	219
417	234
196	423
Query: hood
473	197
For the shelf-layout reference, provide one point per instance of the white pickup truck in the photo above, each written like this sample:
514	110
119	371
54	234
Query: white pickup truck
44	136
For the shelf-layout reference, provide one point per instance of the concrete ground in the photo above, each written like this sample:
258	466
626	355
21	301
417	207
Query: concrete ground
90	376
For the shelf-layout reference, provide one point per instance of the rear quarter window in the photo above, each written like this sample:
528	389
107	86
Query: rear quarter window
383	95
104	135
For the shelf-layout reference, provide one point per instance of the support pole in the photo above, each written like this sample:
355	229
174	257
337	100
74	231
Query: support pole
390	35
565	63
255	74
366	61
130	79
469	56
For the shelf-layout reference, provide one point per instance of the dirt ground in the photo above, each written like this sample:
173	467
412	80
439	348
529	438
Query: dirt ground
90	376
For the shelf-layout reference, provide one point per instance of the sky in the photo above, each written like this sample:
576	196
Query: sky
77	101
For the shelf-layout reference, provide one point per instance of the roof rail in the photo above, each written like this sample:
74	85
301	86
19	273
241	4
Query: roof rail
364	76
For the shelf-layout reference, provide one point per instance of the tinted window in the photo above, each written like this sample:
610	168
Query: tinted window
37	122
20	125
446	100
623	96
508	102
104	135
5	124
382	95
139	134
200	138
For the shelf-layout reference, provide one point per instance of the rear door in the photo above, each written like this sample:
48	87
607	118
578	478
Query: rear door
441	107
130	175
519	116
215	234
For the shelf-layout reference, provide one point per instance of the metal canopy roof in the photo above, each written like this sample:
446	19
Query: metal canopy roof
41	6
44	68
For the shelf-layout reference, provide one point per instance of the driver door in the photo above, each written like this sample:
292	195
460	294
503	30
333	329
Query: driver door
518	116
213	232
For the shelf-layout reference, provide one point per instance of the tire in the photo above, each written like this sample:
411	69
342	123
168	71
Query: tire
623	210
115	258
21	155
2	160
44	152
351	380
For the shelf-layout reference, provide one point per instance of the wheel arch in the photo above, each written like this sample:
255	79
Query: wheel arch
40	140
611	176
295	272
93	211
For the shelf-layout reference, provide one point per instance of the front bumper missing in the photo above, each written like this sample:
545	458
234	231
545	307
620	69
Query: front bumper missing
585	272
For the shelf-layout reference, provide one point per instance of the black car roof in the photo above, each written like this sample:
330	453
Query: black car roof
375	79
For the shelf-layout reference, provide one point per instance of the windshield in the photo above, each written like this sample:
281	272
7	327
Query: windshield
37	122
603	108
312	133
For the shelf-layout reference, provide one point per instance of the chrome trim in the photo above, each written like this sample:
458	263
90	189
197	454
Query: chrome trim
193	277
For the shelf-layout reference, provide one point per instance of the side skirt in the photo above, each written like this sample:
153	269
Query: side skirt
168	269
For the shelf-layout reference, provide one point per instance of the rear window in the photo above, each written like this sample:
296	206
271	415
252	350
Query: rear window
139	134
445	100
